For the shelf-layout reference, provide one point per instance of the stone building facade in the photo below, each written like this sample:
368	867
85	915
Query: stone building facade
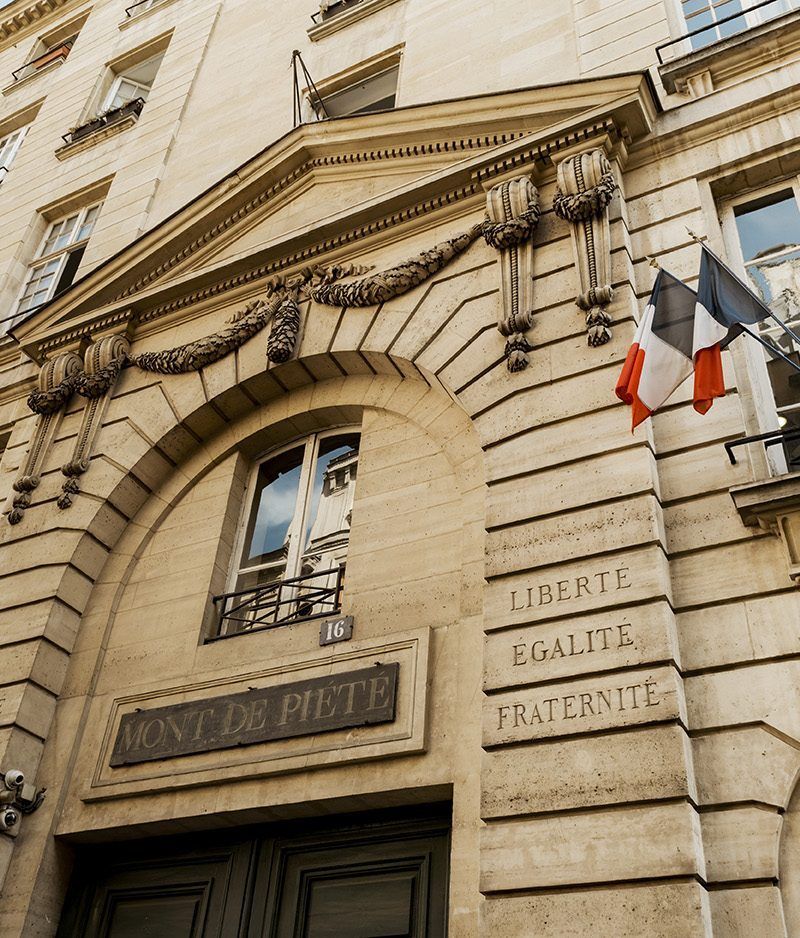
336	595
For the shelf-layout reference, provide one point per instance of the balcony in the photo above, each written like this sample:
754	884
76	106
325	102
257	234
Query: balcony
102	125
703	59
280	602
45	61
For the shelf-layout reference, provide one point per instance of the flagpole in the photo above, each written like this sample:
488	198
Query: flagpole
780	322
771	349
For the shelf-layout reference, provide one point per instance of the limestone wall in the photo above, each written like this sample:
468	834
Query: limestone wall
598	658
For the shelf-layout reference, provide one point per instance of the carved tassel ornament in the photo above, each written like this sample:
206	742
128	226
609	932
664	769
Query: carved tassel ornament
585	187
102	364
56	383
512	216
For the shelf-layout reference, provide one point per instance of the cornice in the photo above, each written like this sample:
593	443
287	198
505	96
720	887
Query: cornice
26	14
308	166
495	135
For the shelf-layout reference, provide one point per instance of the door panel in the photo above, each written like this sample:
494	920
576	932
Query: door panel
371	881
146	890
362	877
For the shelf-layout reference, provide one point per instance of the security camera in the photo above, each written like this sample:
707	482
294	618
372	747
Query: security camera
8	818
14	778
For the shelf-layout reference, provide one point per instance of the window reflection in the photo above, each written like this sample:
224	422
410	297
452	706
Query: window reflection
298	526
769	235
274	509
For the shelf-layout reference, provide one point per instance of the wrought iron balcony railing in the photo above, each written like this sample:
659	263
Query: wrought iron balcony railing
106	119
724	28
789	439
281	602
56	54
135	8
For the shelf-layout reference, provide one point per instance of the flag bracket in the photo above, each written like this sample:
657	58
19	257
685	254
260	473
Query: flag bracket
772	438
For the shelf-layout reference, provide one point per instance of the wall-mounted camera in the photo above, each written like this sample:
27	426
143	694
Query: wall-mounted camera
17	797
9	818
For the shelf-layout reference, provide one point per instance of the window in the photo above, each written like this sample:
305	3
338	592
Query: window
58	258
9	145
706	14
329	8
50	50
768	232
376	92
293	546
141	6
132	84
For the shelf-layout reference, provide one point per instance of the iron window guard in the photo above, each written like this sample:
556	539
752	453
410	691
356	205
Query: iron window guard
51	55
107	119
331	9
281	602
773	438
704	29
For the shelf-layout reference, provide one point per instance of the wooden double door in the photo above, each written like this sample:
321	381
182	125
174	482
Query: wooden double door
362	877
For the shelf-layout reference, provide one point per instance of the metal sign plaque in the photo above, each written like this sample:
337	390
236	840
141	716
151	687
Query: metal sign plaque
336	630
316	705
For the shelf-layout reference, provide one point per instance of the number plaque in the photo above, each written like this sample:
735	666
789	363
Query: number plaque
336	630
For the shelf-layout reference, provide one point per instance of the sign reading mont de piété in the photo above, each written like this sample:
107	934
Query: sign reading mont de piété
316	705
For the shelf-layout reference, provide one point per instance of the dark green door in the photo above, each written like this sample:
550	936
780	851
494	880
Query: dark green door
366	877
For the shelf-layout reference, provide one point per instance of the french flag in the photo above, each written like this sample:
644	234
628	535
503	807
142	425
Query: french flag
682	332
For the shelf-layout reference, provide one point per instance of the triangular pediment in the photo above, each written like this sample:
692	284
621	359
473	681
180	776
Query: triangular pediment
335	184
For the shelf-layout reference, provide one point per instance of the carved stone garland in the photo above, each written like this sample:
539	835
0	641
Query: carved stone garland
512	216
56	381
105	358
585	187
383	286
102	364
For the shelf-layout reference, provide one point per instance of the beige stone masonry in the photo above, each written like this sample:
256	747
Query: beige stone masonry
644	764
621	844
630	698
662	910
580	645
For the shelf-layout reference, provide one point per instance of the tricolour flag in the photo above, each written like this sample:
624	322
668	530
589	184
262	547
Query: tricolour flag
682	332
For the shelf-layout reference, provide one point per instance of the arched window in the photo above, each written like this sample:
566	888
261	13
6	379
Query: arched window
292	545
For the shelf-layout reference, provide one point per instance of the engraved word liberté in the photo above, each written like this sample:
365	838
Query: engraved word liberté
315	705
559	591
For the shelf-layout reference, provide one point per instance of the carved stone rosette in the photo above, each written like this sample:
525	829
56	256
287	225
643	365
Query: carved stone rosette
56	383
102	363
512	216
585	187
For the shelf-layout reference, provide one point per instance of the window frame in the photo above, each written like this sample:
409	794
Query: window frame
41	259
106	104
750	18
293	566
765	406
325	98
6	161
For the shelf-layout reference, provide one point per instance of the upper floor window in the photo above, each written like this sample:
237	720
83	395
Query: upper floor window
329	8
130	84
136	8
58	257
768	234
9	145
51	49
365	90
719	19
292	547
